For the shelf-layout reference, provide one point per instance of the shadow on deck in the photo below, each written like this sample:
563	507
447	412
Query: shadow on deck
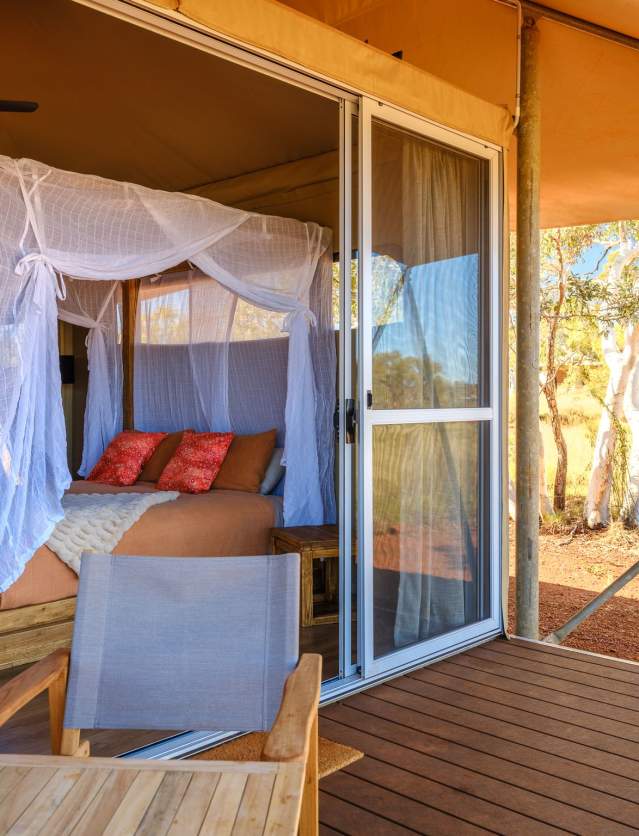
510	737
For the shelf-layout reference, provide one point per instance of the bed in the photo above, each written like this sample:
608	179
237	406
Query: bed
37	610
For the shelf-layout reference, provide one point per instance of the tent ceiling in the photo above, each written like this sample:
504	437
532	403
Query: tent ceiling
590	152
620	15
121	102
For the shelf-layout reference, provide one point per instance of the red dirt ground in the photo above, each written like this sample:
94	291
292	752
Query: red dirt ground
573	569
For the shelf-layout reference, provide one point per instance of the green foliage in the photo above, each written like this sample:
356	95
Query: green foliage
593	303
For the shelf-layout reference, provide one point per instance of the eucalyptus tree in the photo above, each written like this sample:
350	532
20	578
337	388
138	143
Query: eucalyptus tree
616	292
561	251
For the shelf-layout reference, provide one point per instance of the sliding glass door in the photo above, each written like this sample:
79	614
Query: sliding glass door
428	424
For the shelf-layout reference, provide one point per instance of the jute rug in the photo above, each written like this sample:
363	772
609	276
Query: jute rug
331	756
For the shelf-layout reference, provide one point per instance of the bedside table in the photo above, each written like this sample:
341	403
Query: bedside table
312	542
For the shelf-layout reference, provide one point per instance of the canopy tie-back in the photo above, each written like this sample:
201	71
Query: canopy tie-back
29	266
298	315
97	327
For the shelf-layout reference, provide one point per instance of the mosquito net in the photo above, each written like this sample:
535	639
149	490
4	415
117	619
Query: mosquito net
58	224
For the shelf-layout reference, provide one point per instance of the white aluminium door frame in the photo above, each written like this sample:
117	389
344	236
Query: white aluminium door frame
346	389
369	418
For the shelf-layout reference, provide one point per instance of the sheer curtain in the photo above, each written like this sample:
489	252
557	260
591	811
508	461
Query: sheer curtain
94	305
181	353
426	505
441	194
62	223
199	364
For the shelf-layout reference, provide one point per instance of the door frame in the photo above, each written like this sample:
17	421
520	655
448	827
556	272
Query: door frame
169	24
423	651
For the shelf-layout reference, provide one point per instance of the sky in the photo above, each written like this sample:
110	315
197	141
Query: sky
588	263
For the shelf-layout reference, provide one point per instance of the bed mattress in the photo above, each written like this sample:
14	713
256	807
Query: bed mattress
214	524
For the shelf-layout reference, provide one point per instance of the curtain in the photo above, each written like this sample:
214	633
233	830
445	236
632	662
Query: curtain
204	361
61	223
94	305
441	245
426	492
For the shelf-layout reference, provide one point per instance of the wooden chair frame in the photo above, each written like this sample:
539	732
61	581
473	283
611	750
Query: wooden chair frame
293	738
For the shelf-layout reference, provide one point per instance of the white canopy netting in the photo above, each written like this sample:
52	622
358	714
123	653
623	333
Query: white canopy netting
57	224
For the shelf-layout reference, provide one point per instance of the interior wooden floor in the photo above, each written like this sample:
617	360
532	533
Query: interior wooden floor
510	737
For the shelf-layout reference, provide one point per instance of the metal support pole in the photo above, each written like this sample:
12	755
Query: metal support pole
592	606
528	312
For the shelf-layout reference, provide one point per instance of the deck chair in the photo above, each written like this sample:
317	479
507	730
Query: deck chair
184	643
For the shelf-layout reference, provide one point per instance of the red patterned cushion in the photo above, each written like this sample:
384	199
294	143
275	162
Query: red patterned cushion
123	460
196	462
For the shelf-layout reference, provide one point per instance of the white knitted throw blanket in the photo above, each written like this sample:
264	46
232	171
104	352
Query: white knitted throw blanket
96	522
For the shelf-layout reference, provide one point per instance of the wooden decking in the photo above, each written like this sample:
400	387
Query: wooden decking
511	737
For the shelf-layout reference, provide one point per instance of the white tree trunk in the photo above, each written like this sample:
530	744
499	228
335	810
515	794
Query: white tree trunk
512	500
621	365
631	411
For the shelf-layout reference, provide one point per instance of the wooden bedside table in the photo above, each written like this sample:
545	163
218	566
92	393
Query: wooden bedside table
311	542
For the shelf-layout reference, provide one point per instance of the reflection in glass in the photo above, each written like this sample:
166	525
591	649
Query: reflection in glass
428	247
430	561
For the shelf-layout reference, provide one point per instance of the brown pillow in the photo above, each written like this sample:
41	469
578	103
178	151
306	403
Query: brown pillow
245	464
159	460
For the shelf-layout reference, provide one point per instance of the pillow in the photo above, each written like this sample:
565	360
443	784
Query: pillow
124	458
245	464
195	463
274	472
161	457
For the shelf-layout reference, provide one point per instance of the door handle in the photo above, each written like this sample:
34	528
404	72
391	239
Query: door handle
350	420
350	414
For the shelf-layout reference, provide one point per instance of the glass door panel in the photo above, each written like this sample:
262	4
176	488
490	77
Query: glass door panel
429	535
428	387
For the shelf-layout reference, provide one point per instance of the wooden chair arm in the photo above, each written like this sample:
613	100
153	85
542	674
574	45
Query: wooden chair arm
294	735
289	738
49	673
24	687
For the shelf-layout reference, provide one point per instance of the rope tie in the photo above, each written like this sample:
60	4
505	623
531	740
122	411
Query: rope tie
299	315
28	265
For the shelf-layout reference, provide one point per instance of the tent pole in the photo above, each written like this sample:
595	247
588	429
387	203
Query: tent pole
130	292
528	312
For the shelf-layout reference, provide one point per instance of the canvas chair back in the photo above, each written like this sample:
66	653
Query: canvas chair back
182	643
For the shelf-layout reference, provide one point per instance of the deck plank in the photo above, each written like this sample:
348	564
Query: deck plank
584	655
351	819
474	796
520	696
571	682
507	737
567	659
397	807
413	695
565	693
442	755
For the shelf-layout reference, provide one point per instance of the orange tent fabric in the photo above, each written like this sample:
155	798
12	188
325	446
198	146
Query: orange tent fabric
590	140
